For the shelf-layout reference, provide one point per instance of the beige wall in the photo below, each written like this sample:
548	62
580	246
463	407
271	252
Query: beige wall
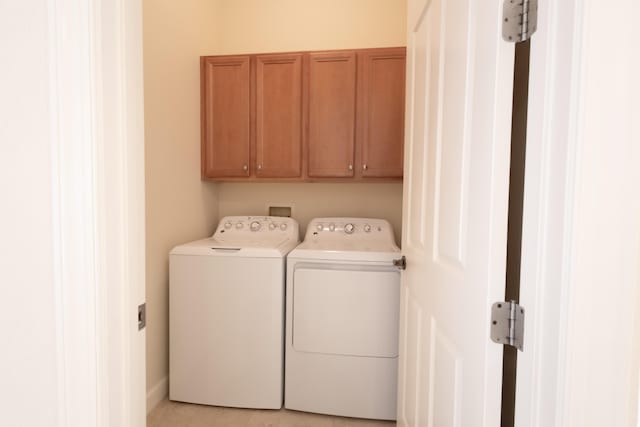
179	207
315	200
252	26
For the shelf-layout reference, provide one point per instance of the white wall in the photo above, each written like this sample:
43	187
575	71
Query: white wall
28	359
601	362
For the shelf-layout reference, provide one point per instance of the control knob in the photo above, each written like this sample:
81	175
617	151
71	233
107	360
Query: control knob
319	227
239	225
349	228
283	226
367	228
227	225
255	226
332	227
272	226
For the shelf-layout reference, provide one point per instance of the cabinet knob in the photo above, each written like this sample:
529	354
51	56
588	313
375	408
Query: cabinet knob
245	167
350	167
365	167
259	167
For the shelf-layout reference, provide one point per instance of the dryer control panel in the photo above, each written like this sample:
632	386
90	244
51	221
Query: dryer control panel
350	229
256	227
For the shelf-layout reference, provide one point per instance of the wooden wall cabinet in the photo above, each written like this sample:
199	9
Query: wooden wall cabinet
279	116
381	76
332	114
225	116
315	116
251	116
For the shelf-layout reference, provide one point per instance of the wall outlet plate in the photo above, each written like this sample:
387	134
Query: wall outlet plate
279	209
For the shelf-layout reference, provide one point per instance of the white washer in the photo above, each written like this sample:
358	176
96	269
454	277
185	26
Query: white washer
227	314
343	299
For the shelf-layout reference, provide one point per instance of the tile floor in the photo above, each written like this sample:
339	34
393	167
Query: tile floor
175	414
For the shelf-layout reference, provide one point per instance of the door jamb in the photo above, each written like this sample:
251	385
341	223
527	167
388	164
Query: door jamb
95	80
548	372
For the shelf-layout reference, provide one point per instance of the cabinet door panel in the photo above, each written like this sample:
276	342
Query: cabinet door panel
381	112
332	92
279	116
226	116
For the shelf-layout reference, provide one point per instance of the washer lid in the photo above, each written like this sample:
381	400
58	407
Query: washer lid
253	249
250	236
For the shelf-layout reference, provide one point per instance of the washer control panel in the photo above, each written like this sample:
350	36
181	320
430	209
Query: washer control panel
256	227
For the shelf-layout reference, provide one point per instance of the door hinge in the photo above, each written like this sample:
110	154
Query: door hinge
507	324
519	19
142	316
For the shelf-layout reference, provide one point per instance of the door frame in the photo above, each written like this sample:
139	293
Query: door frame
567	171
96	104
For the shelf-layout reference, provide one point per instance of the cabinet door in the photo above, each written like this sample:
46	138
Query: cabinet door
381	81
225	116
279	116
332	96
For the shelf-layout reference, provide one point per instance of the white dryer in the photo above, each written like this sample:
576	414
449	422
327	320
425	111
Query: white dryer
343	294
226	305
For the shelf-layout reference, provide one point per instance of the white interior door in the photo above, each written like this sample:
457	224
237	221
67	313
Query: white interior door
72	182
459	88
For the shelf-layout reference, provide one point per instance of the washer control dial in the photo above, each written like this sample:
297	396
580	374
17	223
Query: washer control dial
332	227
255	226
239	225
283	226
272	226
349	228
227	225
367	228
319	227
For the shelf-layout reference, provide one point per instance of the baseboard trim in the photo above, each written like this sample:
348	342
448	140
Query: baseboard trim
157	393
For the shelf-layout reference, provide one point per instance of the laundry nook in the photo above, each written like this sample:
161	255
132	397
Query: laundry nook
302	213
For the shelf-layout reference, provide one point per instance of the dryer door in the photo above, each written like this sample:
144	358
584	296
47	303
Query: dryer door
348	310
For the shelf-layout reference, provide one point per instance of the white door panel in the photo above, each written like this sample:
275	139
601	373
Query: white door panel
459	87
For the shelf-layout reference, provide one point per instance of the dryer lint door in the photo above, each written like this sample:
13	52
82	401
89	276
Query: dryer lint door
350	311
